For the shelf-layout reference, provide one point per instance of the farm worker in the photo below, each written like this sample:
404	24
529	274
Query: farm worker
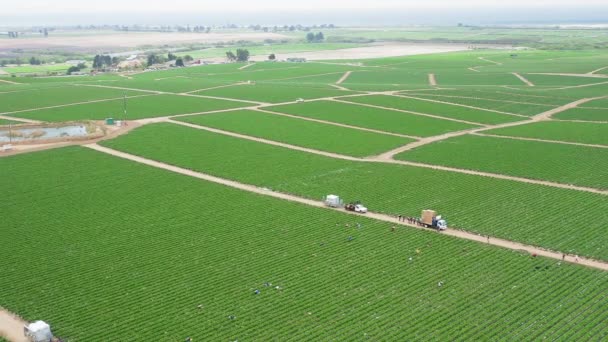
350	238
576	257
257	292
392	228
440	284
418	251
564	257
399	218
188	339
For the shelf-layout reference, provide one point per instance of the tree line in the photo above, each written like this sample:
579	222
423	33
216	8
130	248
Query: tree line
315	38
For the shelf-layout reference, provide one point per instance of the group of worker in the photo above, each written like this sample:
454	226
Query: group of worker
410	220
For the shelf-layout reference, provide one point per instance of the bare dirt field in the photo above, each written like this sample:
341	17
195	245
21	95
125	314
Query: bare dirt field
373	51
129	40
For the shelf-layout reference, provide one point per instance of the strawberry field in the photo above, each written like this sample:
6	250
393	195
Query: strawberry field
115	258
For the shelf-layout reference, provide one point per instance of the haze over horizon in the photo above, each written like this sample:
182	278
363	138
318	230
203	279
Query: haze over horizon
357	12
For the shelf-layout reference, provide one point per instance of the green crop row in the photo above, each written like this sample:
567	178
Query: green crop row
577	132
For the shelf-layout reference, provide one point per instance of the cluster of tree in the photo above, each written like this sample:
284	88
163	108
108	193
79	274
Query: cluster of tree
44	32
158	59
35	61
315	38
12	34
290	28
197	29
76	68
242	55
101	61
272	57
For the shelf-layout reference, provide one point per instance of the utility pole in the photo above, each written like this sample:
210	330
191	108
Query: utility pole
10	133
124	106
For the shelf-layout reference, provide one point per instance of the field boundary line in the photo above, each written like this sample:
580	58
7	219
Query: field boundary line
407	111
226	99
539	140
581	121
498	176
74	104
474	69
548	114
19	119
298	77
577	86
383	159
489	61
247	66
170	77
569	74
211	88
480	98
9	82
597	70
11	326
523	79
266	141
344	77
339	87
388	155
124	88
432	80
460	105
377	216
336	124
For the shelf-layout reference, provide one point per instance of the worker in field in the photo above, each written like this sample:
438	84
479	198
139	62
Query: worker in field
393	229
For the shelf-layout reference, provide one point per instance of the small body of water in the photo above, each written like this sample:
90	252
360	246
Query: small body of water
42	133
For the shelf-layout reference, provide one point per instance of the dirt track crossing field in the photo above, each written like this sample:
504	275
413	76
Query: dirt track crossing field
11	327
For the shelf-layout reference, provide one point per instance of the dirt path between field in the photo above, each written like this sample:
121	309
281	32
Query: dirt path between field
569	75
339	87
460	105
377	216
474	69
404	111
432	80
5	117
73	104
386	159
216	87
597	70
489	61
548	114
336	124
523	79
9	82
247	66
344	77
577	86
11	326
540	140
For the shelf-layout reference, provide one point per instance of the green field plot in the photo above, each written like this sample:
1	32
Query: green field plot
137	108
273	93
375	118
583	114
551	80
386	78
523	95
437	109
277	49
123	251
173	84
566	164
53	96
280	71
7	122
483	205
576	132
467	79
300	132
507	106
32	69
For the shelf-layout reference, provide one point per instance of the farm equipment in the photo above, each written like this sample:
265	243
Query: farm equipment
430	219
38	331
333	201
356	207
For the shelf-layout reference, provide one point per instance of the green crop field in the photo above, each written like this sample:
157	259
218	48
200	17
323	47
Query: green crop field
137	108
576	132
274	93
46	97
109	249
584	114
388	188
374	118
141	262
300	132
566	164
438	109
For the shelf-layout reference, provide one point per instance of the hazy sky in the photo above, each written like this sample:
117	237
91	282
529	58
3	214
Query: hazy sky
62	6
306	12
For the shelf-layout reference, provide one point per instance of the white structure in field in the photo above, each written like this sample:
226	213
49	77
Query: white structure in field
38	331
333	201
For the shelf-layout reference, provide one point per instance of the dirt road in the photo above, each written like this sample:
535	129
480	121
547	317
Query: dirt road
381	217
344	77
523	79
11	326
